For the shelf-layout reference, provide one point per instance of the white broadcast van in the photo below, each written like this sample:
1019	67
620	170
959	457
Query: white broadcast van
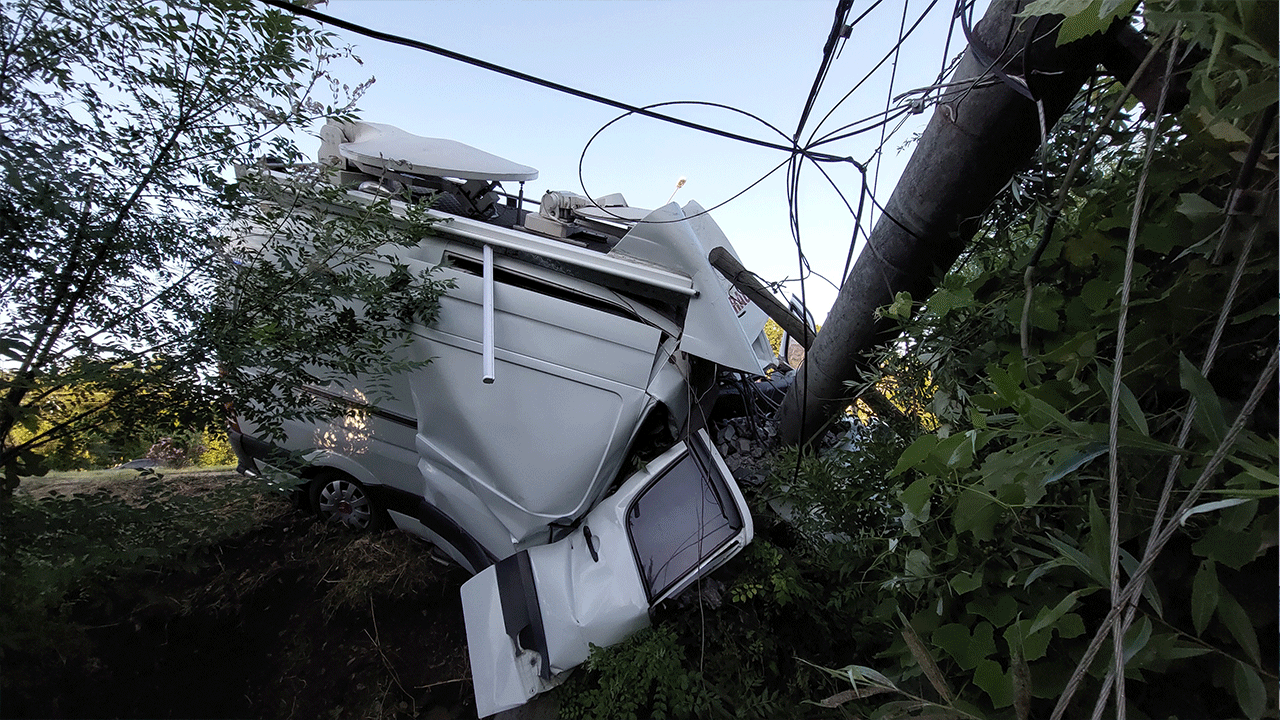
575	334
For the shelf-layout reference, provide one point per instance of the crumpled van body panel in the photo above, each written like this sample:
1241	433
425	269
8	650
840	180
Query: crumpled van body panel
566	333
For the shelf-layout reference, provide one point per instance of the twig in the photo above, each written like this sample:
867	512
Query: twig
437	684
385	660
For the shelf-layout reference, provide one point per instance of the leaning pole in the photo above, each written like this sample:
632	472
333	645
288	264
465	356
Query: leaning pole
986	126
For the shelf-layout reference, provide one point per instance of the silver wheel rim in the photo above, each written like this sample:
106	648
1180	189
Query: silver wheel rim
345	502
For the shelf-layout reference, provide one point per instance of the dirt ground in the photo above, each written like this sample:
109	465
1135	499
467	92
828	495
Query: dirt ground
293	619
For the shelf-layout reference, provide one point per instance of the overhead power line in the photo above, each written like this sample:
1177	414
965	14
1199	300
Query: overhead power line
901	38
525	77
838	30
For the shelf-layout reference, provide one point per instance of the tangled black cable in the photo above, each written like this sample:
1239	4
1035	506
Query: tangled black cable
582	158
792	148
901	39
796	152
394	39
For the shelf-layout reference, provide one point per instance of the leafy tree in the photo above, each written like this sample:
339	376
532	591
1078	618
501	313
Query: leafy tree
119	123
316	295
1003	568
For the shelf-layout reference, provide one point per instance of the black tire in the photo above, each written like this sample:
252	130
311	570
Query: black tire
341	499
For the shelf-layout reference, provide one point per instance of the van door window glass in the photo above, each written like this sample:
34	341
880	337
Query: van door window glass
677	522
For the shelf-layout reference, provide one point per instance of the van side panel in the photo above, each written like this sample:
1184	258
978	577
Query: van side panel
539	444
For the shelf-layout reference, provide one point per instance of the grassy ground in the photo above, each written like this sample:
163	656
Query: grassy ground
199	593
123	481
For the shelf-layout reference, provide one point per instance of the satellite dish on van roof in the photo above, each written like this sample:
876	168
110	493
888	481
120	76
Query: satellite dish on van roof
391	148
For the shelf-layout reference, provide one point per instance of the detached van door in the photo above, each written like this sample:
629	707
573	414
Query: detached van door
535	614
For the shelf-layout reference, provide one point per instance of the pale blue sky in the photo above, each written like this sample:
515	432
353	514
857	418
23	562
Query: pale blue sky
756	55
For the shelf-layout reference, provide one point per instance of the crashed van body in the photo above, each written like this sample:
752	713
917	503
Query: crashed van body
573	335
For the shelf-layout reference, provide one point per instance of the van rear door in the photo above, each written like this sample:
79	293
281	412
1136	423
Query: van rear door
535	614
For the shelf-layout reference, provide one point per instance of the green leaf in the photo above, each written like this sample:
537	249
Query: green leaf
916	495
1098	543
1094	19
1195	207
1070	626
1006	386
1264	476
945	451
1182	652
917	451
962	583
1081	249
1047	617
917	564
1267	308
1208	417
1212	506
901	307
1204	596
1000	612
1250	692
1075	462
1131	440
983	644
1225	130
1136	638
1097	293
1239	624
1042	413
995	682
976	512
1130	565
1255	53
1130	411
1233	549
953	638
961	455
1244	494
1238	518
1055	7
1040	570
1085	564
1251	99
1034	645
945	300
1116	8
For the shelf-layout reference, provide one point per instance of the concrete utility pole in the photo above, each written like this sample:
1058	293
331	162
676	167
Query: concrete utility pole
985	127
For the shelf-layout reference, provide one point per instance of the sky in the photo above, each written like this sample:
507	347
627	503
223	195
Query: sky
755	56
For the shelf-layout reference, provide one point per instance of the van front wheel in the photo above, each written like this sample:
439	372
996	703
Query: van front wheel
342	499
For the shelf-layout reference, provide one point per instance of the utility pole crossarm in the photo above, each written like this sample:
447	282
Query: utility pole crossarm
747	282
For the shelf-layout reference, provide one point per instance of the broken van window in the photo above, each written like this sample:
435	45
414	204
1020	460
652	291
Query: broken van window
679	521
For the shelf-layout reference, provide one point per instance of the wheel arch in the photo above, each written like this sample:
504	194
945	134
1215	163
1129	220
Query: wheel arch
321	462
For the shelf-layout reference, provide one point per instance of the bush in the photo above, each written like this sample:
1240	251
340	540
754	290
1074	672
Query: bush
217	450
59	551
178	450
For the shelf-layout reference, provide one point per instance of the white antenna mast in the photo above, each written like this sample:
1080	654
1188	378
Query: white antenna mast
679	184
